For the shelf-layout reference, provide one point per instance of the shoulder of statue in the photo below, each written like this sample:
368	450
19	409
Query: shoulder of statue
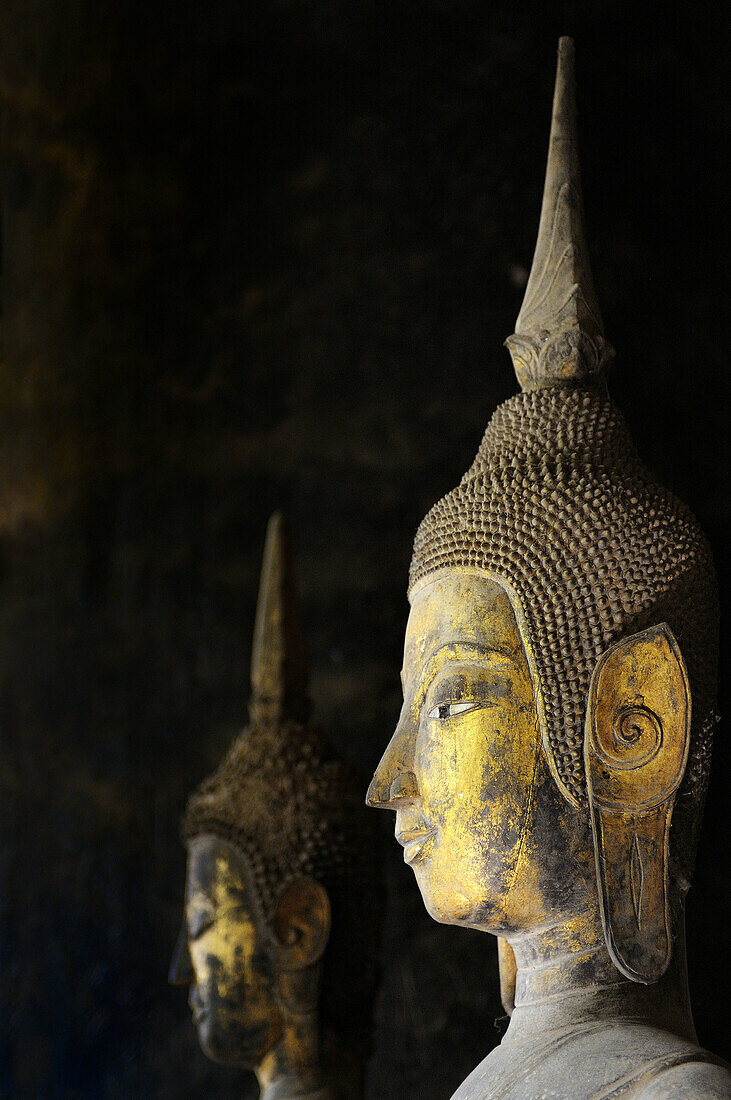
689	1080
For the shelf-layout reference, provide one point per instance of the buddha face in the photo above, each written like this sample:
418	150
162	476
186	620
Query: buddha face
490	840
224	956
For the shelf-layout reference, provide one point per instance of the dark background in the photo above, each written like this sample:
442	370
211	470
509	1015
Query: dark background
259	256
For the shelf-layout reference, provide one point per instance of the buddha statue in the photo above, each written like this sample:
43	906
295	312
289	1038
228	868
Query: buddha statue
549	766
279	934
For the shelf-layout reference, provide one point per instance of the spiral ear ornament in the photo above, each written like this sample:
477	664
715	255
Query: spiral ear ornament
634	740
636	748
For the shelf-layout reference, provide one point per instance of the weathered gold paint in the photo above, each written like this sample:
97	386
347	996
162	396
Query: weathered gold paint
503	827
636	750
492	842
465	771
253	989
257	917
495	845
232	997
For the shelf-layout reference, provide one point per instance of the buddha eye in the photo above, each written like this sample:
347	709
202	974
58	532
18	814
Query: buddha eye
200	923
450	710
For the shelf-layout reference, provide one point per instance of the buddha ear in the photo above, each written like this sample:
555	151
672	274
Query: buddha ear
508	970
301	924
636	749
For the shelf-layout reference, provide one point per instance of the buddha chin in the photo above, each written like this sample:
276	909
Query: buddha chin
223	1039
224	954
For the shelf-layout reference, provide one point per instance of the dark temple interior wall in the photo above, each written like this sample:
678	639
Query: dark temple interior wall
259	256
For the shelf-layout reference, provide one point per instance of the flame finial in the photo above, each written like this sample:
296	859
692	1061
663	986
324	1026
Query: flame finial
559	335
278	664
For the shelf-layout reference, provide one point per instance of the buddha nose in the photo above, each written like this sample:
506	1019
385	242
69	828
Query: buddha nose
181	967
402	790
394	783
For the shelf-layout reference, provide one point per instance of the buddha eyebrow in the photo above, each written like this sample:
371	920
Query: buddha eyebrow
493	654
216	912
201	896
460	652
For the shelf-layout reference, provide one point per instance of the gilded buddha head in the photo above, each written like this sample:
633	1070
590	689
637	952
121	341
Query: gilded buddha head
560	656
277	939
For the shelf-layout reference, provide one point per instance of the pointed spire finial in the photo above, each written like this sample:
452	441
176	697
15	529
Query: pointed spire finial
278	664
559	334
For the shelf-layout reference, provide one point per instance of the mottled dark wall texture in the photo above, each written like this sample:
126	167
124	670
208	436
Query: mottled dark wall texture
261	256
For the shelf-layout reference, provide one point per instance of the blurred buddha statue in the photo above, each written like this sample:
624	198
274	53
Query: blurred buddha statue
559	701
278	939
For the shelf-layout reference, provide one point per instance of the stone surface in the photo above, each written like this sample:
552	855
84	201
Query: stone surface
266	258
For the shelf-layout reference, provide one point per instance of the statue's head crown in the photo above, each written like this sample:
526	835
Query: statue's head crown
559	508
559	336
281	794
278	664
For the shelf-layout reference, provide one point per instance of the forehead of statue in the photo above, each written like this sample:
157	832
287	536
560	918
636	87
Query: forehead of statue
216	872
466	612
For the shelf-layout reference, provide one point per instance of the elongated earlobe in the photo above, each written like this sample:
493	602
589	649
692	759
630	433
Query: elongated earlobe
301	924
636	748
508	970
301	930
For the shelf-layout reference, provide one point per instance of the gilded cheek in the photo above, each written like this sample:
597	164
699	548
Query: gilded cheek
226	954
259	967
437	784
241	951
214	962
201	955
451	803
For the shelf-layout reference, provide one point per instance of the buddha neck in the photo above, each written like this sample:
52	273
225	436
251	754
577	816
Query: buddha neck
565	974
562	958
291	1088
278	1080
